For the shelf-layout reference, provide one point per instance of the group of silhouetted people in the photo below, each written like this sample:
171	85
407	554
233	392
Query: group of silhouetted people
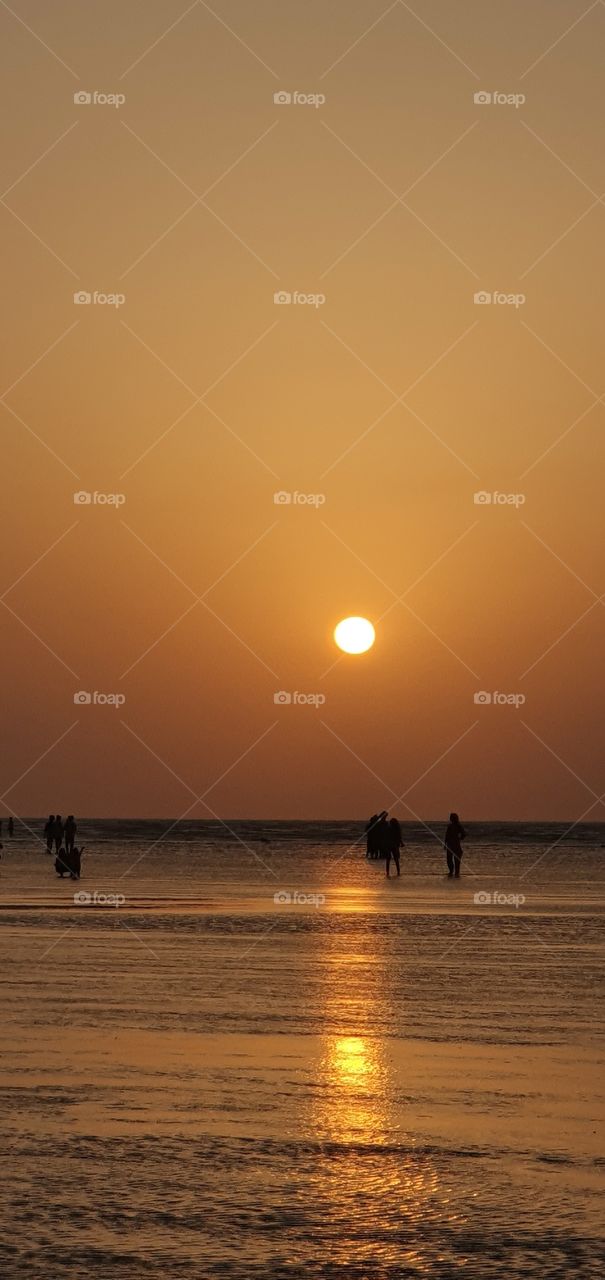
383	836
384	839
62	835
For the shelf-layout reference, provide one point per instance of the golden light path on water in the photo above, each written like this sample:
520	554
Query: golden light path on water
392	1197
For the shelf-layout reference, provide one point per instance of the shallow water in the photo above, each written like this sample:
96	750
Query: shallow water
379	1079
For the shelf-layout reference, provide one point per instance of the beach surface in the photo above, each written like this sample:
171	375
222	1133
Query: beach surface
240	1051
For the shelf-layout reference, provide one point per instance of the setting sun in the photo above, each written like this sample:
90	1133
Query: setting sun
354	635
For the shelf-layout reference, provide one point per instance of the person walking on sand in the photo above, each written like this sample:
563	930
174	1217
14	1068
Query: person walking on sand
11	826
49	832
70	833
394	845
453	848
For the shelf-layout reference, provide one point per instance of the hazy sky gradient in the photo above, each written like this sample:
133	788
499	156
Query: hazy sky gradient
397	399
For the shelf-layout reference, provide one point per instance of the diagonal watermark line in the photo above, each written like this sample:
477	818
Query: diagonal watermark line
443	755
39	639
39	558
595	394
240	439
239	39
201	399
40	439
438	38
38	360
239	358
359	39
158	640
244	643
558	240
560	160
572	626
200	599
122	924
598	599
400	399
200	199
33	233
42	756
562	762
159	39
39	160
201	799
398	199
559	39
557	442
564	835
563	563
158	239
56	943
439	639
40	40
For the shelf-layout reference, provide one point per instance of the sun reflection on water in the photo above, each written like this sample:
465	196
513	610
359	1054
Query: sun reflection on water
385	1196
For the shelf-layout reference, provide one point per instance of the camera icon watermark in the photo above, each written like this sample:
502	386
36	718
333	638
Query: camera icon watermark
484	699
85	698
497	99
483	498
98	899
485	898
84	498
498	298
82	298
294	898
283	698
295	298
283	98
96	98
285	498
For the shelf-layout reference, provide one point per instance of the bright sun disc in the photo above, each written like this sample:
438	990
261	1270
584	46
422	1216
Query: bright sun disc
354	635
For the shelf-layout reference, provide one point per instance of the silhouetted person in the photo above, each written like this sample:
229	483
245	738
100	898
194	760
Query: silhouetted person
453	848
58	832
61	864
383	835
49	832
394	844
371	836
11	826
70	833
75	863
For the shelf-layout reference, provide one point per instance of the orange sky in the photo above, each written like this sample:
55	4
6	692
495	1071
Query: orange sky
395	397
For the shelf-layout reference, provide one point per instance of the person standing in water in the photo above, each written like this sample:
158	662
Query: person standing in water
49	832
11	826
58	832
394	845
452	844
70	833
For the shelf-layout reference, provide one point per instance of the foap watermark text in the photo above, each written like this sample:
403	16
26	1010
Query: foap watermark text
483	498
498	298
482	698
285	699
84	498
285	98
285	498
86	698
295	898
486	898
